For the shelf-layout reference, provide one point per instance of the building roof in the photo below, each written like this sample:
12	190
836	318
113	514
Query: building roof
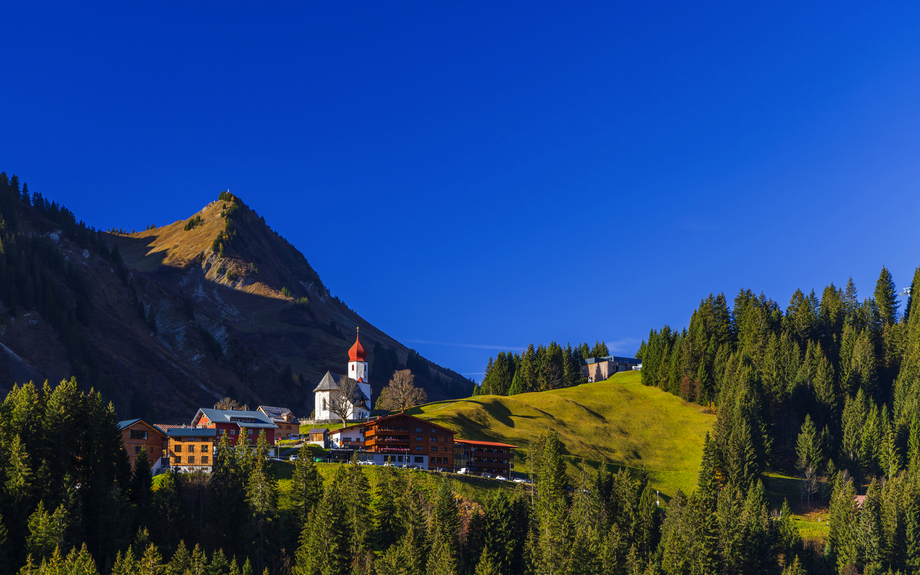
191	432
127	423
357	352
404	414
330	382
240	417
122	425
319	430
276	412
484	443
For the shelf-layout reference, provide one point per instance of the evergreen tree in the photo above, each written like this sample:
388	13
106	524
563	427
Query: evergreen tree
886	298
140	490
262	498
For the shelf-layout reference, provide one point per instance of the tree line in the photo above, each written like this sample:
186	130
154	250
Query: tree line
537	369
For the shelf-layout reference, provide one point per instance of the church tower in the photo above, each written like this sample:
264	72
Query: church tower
357	370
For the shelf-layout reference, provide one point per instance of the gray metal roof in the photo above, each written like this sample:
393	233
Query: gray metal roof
275	412
191	432
127	423
319	430
240	417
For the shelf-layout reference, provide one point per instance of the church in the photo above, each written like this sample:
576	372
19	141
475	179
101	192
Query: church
357	370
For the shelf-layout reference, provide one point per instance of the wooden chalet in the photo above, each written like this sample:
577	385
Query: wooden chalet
484	457
399	439
137	434
288	426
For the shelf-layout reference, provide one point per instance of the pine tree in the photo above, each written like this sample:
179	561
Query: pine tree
886	298
808	448
141	488
262	498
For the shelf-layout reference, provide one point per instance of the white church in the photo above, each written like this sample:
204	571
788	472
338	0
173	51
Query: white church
357	370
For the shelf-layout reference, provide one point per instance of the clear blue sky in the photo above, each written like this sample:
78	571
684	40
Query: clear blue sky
476	176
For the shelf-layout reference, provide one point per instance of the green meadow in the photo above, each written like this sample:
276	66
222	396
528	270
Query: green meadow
619	422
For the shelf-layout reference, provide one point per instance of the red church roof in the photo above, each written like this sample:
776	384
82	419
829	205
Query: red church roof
357	353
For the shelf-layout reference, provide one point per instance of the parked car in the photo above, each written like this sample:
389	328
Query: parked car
464	471
520	480
501	478
486	475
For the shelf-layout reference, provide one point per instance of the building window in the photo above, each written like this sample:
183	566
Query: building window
419	459
434	439
138	434
178	448
419	429
232	432
137	449
177	460
434	448
191	459
204	459
418	439
418	447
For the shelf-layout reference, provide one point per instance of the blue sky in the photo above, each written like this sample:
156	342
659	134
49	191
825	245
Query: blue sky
478	176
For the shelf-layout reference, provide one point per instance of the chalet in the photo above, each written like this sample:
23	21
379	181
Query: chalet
398	439
191	449
137	434
601	368
484	457
240	425
324	392
318	436
288	426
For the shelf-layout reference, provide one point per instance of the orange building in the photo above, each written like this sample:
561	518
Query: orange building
137	434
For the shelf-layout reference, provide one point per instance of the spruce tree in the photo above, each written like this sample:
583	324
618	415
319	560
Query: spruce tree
262	499
886	298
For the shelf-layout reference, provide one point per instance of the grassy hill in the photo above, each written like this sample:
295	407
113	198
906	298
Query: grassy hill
618	421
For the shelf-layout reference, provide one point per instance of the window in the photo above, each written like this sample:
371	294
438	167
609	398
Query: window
418	447
434	448
177	460
251	431
399	458
191	459
418	439
138	434
419	459
137	449
419	429
178	448
434	439
232	432
204	459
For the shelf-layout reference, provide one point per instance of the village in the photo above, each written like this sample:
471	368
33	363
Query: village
398	439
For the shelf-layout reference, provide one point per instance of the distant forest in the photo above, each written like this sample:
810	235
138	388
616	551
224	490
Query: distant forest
537	369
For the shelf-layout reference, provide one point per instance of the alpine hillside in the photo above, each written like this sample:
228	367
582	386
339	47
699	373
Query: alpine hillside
173	318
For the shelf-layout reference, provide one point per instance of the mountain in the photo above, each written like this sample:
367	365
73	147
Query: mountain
174	318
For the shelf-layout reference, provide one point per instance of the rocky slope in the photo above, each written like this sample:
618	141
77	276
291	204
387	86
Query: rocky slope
203	308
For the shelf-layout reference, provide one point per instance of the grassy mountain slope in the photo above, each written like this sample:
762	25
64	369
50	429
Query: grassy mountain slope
618	421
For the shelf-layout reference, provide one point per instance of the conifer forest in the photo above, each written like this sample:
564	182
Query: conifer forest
825	390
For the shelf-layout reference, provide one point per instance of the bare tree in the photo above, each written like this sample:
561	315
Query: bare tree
345	399
227	403
401	394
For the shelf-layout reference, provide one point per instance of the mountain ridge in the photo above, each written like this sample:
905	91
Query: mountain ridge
183	314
